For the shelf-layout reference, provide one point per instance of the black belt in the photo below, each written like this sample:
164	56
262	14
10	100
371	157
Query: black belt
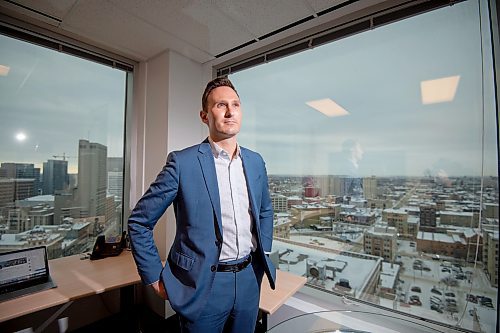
222	267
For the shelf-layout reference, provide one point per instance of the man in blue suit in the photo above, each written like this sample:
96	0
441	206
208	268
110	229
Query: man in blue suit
224	220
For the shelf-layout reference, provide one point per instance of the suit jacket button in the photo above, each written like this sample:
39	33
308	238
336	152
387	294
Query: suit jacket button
213	268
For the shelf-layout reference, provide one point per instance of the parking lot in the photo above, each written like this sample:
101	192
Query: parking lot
448	292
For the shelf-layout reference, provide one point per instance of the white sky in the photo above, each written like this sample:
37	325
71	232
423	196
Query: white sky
55	100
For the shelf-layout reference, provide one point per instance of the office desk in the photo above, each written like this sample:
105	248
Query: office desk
287	284
77	278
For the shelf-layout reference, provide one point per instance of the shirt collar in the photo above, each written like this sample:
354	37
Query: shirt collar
217	150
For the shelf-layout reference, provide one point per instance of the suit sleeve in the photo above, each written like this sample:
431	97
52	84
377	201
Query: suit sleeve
160	194
266	214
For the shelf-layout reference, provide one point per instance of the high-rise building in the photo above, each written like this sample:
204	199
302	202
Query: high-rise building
92	178
55	176
370	187
12	189
115	176
22	171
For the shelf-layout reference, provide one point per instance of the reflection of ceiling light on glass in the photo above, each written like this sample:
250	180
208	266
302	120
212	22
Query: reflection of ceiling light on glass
439	90
4	70
328	107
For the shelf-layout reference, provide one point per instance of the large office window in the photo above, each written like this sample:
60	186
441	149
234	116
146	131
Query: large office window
61	149
382	155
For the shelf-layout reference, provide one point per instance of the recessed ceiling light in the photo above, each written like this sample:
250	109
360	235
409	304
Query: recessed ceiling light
328	107
439	90
4	70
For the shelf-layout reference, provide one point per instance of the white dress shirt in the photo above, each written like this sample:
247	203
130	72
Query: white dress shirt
237	224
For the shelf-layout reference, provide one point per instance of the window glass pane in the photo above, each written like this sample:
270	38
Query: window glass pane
382	155
61	149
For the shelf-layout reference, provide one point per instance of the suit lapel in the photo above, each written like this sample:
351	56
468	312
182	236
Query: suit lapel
206	159
251	179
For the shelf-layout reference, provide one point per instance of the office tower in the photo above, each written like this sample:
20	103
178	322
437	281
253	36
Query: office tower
12	189
338	186
92	177
55	176
115	176
370	187
22	171
6	191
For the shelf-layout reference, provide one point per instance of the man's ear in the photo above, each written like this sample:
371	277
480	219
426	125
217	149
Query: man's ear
204	116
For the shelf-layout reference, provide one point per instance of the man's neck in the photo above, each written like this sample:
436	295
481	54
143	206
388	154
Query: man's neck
229	144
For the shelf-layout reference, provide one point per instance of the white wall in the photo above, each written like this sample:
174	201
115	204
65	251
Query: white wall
167	101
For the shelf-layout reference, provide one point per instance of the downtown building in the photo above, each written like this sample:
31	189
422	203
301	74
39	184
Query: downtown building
115	177
55	176
490	255
92	178
22	171
381	240
370	187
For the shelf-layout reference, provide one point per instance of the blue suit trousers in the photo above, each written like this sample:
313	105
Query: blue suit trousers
233	303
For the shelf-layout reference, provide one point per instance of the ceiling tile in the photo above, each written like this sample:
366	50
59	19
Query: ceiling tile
320	5
261	17
198	23
112	26
55	8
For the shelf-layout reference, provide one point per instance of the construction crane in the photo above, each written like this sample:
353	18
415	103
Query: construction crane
63	156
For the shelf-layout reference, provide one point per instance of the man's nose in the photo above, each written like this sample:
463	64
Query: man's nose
230	111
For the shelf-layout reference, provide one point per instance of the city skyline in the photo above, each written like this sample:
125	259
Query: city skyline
45	111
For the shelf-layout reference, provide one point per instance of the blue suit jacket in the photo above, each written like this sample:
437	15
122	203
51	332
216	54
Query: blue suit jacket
189	182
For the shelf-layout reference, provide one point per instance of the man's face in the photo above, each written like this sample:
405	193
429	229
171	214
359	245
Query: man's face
223	114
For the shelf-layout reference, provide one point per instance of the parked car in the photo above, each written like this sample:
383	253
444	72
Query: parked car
471	298
451	301
486	301
449	294
414	300
437	308
436	291
427	269
445	270
436	301
416	289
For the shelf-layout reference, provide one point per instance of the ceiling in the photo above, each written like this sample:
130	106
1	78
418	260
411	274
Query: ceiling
203	30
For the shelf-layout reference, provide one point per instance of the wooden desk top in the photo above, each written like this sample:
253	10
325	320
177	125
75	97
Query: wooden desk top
287	284
77	278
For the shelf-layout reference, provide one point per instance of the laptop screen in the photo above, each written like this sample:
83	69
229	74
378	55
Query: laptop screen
23	267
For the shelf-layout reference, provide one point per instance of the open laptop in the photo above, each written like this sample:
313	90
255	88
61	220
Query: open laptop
24	272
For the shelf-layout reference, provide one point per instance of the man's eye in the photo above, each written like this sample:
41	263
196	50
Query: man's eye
221	105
